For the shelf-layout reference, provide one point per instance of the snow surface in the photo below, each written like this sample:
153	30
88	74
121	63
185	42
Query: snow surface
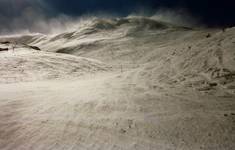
127	83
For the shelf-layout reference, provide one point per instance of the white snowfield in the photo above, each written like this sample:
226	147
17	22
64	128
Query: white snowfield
119	84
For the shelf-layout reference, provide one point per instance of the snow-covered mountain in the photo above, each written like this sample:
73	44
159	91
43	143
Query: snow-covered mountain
125	83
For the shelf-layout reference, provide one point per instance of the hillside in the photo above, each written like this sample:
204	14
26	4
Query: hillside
125	83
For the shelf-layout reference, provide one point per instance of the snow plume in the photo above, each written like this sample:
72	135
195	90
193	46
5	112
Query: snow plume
22	15
31	16
37	16
180	17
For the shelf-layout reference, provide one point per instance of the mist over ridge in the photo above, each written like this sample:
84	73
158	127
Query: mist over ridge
65	23
30	16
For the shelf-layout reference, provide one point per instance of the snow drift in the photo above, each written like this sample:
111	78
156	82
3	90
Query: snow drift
145	84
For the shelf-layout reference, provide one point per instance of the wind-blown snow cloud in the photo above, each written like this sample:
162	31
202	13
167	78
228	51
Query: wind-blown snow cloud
45	15
179	17
18	15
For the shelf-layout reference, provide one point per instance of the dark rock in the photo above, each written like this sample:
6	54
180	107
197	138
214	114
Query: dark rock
35	48
155	87
4	49
213	84
5	42
208	35
123	131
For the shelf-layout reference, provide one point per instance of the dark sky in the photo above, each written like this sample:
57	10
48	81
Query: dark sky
210	12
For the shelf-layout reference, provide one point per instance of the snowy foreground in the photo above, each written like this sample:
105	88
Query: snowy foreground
131	83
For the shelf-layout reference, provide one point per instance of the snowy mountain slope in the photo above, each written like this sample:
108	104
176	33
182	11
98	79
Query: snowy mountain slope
26	65
145	84
162	47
